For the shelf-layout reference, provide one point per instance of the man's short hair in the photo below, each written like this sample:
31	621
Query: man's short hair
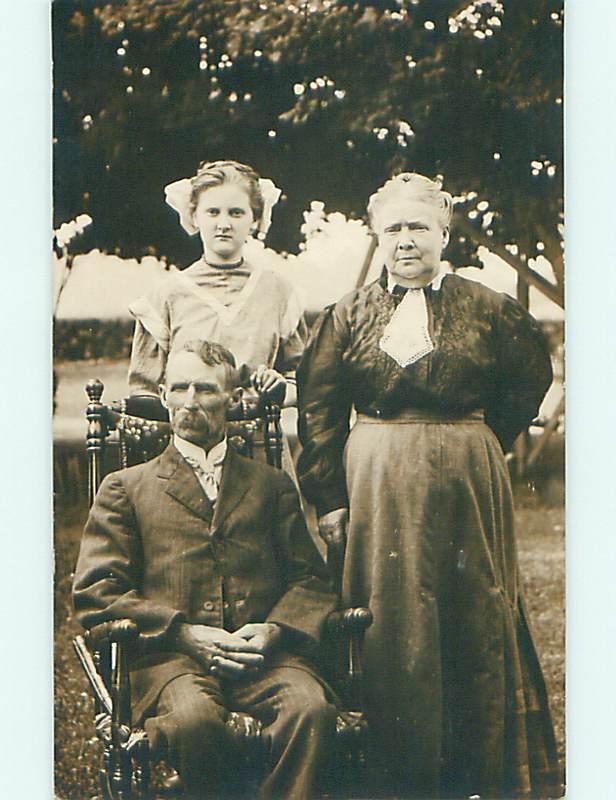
213	355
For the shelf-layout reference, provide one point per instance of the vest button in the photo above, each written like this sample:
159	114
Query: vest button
208	605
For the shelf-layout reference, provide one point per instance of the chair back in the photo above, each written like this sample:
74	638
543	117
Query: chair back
117	437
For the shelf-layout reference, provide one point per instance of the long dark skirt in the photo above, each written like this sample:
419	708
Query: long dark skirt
454	691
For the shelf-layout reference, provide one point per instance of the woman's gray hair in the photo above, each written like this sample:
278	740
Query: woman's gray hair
217	173
412	185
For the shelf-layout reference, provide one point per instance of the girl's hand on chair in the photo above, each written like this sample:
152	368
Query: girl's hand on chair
266	380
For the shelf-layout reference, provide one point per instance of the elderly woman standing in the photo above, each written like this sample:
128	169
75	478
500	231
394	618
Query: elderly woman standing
443	374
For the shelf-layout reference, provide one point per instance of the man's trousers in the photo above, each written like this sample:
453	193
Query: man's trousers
188	730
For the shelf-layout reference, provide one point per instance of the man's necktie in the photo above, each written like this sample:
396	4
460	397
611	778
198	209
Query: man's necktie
207	478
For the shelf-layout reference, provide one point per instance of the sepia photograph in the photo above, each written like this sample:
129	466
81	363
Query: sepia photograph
308	399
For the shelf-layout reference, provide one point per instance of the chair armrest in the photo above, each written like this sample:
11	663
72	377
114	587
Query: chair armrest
350	621
350	625
120	634
117	630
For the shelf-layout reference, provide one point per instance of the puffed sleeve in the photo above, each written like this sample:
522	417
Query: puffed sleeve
523	373
107	578
293	332
150	345
324	400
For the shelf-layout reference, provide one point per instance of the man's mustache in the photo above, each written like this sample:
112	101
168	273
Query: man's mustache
193	417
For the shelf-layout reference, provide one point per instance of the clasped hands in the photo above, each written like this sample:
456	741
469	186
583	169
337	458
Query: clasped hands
229	655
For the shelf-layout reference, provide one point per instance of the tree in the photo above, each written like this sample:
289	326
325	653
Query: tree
326	97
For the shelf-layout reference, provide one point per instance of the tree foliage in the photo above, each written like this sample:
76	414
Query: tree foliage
327	97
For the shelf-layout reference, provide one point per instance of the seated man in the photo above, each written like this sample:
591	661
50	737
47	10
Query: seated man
208	553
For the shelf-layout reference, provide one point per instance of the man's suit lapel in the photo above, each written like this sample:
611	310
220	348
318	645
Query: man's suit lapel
182	483
234	484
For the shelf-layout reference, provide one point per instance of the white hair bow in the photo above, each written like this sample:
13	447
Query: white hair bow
177	195
271	195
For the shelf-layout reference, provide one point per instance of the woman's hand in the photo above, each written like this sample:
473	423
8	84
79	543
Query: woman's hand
269	381
333	527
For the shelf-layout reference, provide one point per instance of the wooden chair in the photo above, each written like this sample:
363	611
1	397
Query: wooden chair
119	435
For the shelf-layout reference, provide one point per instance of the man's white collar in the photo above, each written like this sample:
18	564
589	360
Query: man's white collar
207	461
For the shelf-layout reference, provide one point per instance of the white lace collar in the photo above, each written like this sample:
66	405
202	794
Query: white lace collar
406	337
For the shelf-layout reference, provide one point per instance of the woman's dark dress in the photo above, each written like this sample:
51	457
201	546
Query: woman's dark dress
454	691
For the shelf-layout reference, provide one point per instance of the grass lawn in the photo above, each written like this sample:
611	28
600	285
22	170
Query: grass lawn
541	552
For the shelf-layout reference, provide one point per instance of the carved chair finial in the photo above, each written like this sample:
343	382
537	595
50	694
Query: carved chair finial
94	389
